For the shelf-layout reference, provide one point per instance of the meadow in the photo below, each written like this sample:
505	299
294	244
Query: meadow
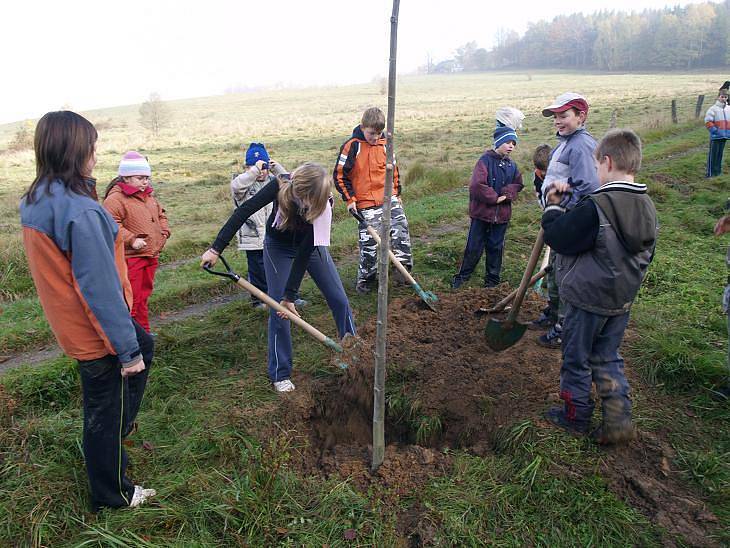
209	412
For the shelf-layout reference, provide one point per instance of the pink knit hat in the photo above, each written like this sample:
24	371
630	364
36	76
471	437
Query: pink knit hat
133	163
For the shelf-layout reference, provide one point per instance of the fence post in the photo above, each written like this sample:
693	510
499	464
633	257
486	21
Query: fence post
674	111
698	107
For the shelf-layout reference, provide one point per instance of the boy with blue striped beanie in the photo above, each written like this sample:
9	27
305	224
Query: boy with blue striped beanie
494	185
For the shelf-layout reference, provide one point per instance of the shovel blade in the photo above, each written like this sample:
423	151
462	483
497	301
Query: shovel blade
501	335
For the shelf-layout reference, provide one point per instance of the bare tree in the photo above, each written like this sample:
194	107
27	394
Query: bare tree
154	114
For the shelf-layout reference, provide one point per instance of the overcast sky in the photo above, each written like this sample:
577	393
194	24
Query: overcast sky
95	53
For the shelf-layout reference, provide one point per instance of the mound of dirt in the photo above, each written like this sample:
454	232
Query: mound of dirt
447	389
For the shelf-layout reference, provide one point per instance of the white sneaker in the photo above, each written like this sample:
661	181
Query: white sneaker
141	495
284	386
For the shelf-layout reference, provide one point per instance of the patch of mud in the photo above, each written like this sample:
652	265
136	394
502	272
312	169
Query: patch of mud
447	389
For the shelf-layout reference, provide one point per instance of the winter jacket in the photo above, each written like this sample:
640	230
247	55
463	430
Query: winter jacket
250	237
493	176
76	258
717	121
138	213
572	161
604	246
359	174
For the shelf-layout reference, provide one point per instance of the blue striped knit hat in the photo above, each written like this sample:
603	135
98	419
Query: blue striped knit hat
504	134
133	163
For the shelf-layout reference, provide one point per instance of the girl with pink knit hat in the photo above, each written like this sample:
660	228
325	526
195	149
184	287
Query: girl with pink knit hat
143	225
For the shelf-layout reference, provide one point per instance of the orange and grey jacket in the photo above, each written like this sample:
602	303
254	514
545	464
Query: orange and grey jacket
360	171
76	259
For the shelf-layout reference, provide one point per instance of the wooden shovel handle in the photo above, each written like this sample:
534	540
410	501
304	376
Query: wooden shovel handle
393	259
531	264
256	292
509	298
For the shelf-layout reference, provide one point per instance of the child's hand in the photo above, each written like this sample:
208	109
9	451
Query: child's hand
352	207
138	243
290	307
133	369
261	165
501	199
210	257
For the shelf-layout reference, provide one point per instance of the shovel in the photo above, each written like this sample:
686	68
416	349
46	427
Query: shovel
256	292
426	296
503	334
543	266
501	305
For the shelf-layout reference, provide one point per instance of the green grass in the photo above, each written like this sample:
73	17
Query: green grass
221	482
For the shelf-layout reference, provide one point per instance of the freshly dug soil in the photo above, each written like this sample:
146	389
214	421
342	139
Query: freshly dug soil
463	395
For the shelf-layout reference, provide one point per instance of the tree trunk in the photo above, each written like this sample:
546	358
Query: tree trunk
382	322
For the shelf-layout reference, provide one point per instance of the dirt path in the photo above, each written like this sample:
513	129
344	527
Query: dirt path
35	357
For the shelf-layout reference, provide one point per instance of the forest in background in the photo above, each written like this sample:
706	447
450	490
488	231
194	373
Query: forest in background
675	38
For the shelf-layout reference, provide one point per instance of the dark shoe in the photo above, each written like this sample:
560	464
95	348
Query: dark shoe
456	283
490	285
363	288
552	339
604	435
556	416
259	305
299	302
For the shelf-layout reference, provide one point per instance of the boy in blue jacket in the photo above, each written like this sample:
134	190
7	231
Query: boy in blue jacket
494	185
604	246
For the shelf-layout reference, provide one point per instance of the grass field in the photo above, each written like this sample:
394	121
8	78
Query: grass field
222	482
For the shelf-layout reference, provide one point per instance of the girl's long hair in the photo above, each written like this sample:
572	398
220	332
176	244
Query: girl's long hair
64	144
306	192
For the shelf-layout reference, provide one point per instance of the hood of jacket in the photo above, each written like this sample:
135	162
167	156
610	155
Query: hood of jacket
634	221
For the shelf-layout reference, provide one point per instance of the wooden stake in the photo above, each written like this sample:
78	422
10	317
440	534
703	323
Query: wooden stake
674	111
383	249
698	106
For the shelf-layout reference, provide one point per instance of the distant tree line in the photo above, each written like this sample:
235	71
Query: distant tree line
694	36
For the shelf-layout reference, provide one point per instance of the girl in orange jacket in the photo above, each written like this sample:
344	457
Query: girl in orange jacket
143	225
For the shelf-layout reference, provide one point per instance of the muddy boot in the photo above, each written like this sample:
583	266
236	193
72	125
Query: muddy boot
615	434
557	416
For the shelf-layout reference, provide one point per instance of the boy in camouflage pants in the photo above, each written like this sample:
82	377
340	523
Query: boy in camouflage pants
359	176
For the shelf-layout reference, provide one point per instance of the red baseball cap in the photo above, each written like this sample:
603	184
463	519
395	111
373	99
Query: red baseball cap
566	101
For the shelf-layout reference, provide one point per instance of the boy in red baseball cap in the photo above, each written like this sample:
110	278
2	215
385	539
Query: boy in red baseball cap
571	172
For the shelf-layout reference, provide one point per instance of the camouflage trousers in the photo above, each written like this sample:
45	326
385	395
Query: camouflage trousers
400	240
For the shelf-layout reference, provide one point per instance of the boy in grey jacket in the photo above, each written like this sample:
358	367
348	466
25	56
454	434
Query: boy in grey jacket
604	246
570	163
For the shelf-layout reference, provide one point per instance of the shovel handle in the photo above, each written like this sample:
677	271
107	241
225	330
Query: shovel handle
501	305
393	259
531	264
256	292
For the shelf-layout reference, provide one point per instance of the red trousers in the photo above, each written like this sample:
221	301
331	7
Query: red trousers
141	273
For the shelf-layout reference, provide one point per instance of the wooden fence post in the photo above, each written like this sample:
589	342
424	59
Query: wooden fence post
674	111
698	106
